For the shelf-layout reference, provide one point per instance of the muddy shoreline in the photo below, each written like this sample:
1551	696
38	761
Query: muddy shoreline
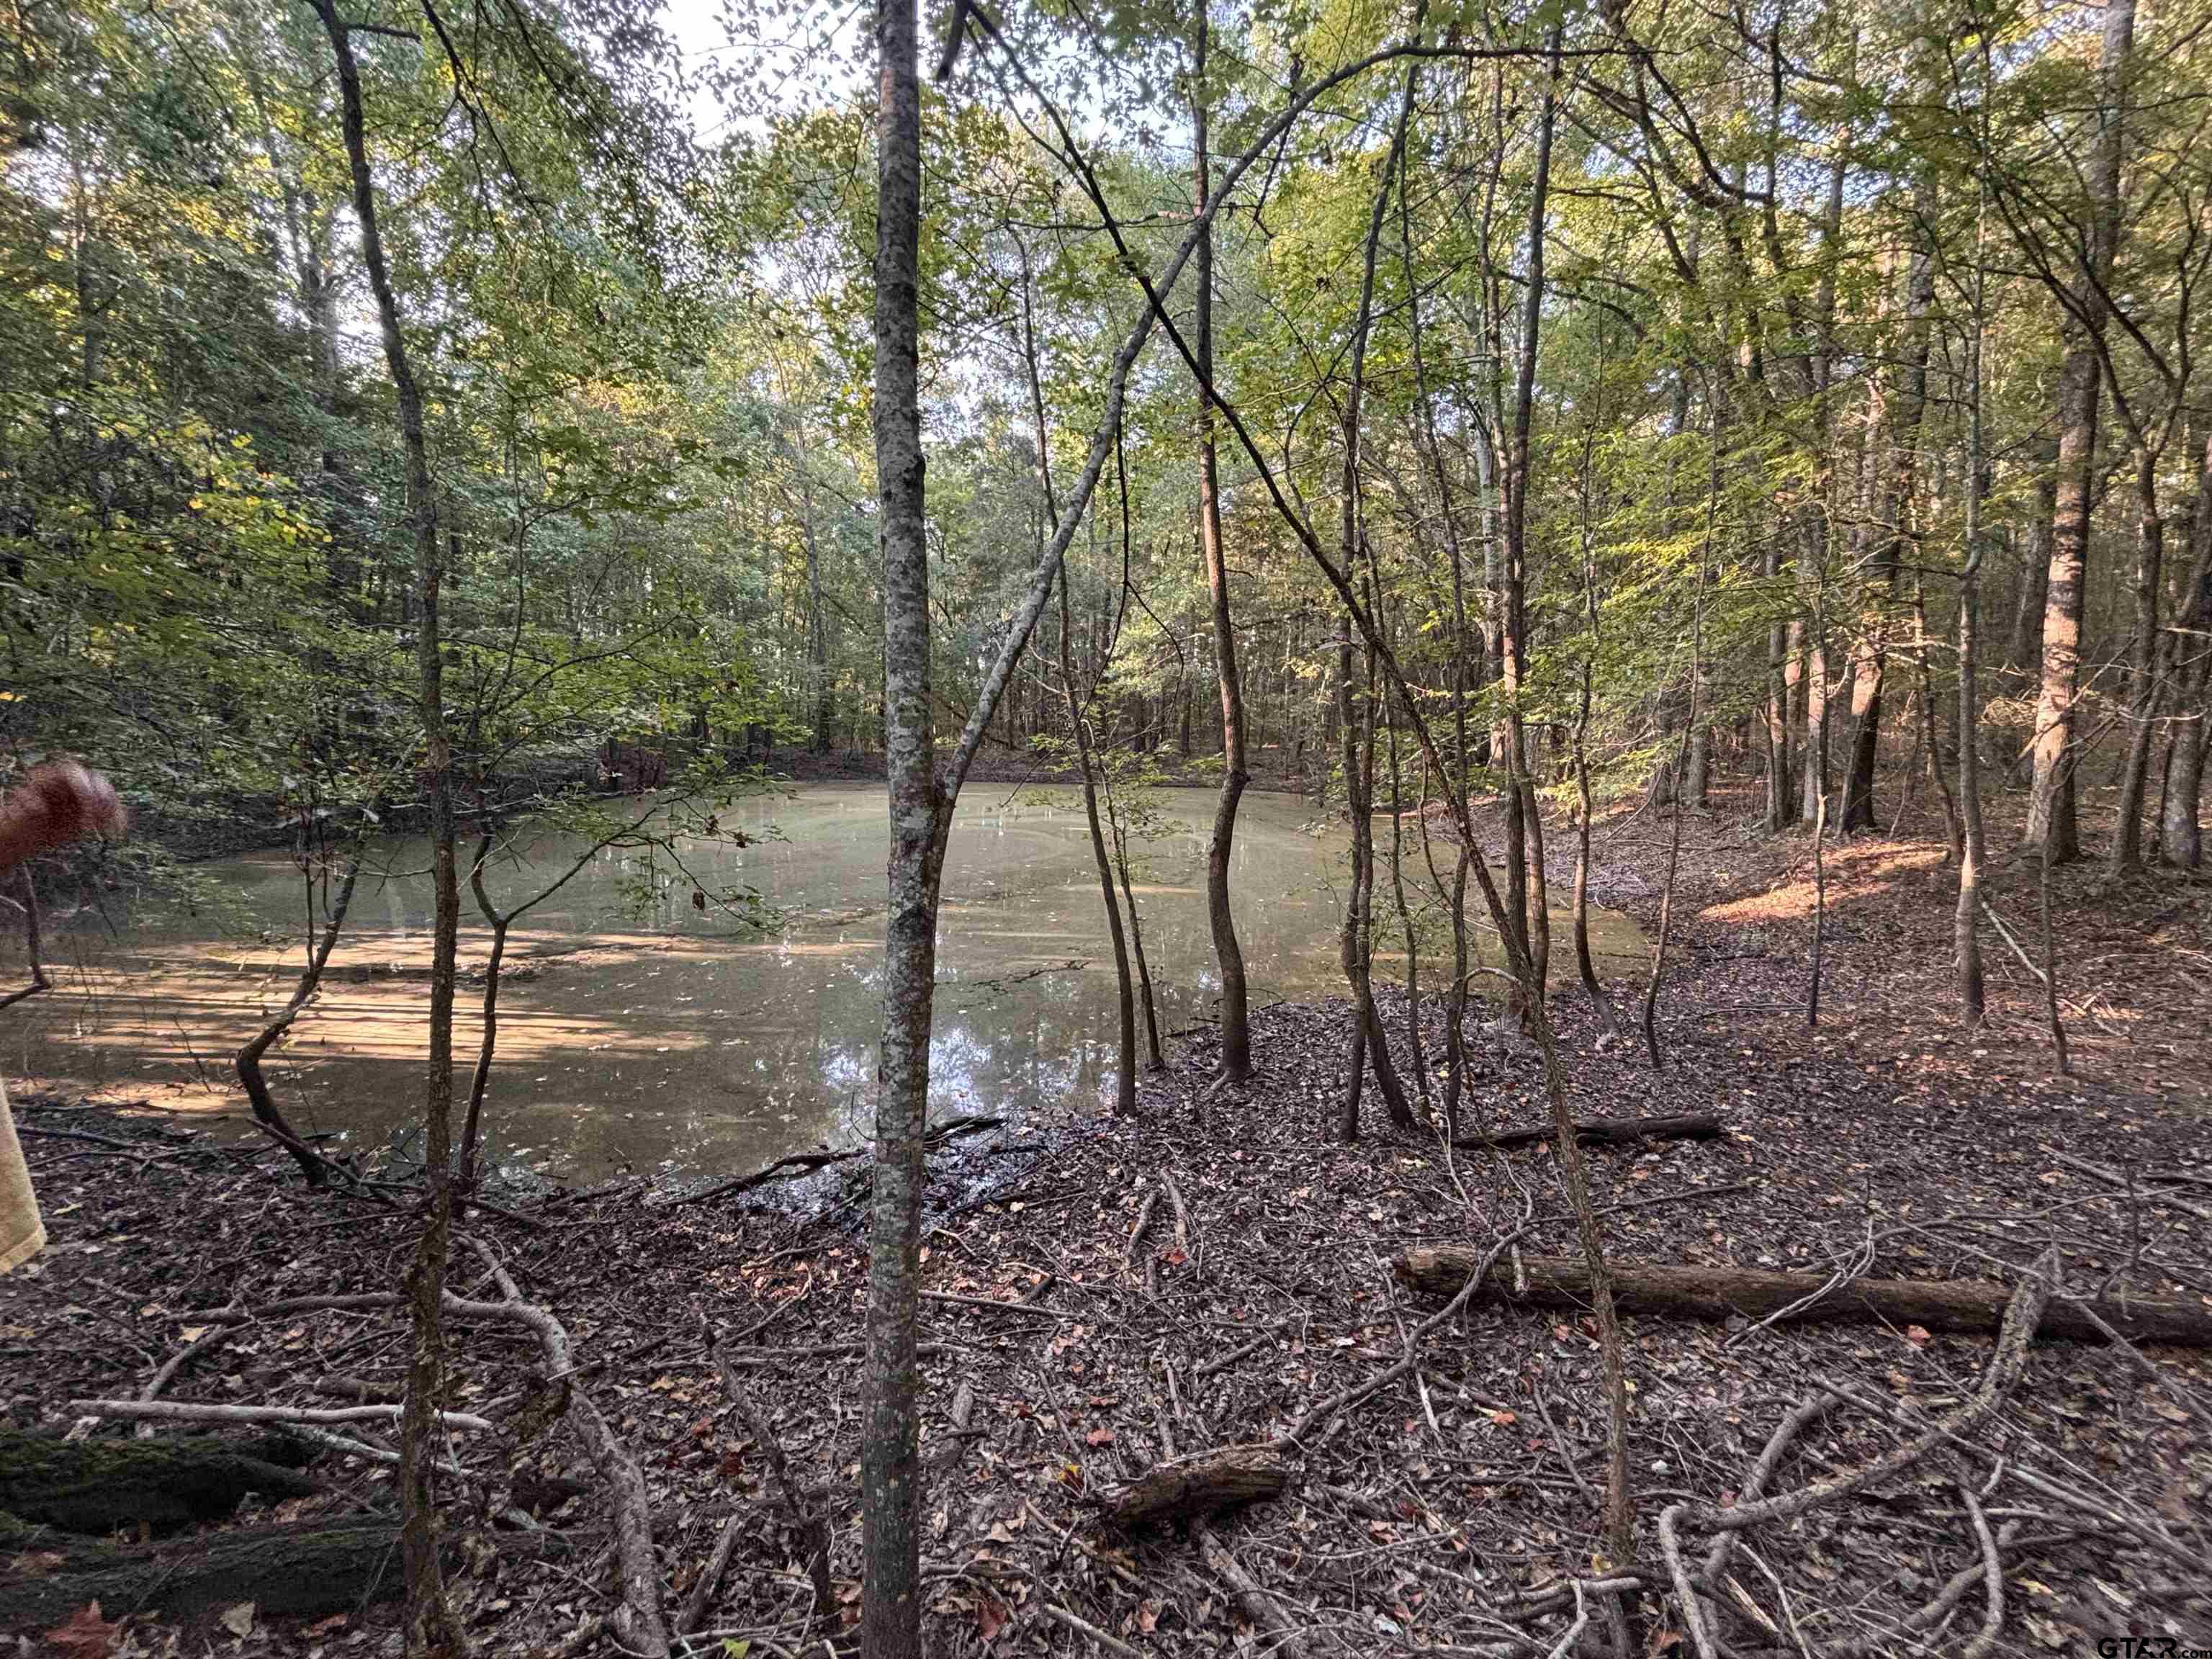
1429	1516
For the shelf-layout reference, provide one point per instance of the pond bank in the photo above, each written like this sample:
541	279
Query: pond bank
641	1032
1430	1515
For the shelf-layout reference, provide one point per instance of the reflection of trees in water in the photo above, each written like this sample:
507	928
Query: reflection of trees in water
628	1049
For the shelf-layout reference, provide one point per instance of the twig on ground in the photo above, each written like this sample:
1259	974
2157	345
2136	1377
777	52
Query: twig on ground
2006	1365
185	1411
1992	1578
806	1520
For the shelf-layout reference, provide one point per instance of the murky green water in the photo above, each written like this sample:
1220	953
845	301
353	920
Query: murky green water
675	1041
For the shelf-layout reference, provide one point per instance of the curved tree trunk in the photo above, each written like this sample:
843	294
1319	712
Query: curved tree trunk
248	1061
1405	913
1236	1012
1125	1078
432	1627
1154	1060
1125	1081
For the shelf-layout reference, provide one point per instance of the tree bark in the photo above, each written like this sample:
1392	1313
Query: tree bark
1720	1293
1463	650
96	1487
2050	826
248	1061
2024	647
1125	1078
1904	418
2180	841
1607	1132
2146	681
1236	1015
1357	719
890	1467
292	1570
1965	935
1125	1081
432	1628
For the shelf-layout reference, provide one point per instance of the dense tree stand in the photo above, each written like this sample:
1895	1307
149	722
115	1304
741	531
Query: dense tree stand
1744	472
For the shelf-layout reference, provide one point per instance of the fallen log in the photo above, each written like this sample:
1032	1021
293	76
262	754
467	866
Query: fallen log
1199	1485
1605	1132
97	1485
806	1163
1719	1293
327	1416
305	1569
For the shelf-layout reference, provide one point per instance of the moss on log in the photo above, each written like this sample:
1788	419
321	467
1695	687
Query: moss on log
1718	1293
99	1486
304	1570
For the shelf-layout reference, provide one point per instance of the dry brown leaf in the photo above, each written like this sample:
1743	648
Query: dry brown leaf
86	1635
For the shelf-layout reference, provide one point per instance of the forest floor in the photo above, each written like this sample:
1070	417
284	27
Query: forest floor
1445	1512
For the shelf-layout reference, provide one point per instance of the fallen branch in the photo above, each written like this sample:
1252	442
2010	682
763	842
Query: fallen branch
1267	1613
182	1411
2021	1317
641	1625
1222	1362
1603	1132
1199	1485
1719	1293
710	1575
1985	1639
165	1373
1808	1410
807	1519
1084	1627
1137	1231
806	1163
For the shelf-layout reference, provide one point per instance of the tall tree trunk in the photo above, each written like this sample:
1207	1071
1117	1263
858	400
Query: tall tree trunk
2050	825
1357	720
1954	827
817	614
1125	1079
1463	650
2146	679
1696	718
1524	828
1405	913
1600	1004
1781	684
1808	645
431	1627
1966	923
1904	419
2024	648
2180	841
891	1465
1154	1060
1355	937
1235	1015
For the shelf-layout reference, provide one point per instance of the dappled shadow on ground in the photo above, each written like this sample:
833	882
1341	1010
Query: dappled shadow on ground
1428	1515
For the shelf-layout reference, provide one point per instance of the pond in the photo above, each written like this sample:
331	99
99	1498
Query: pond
680	1042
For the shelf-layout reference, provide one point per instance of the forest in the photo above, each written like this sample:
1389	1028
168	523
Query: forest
1267	827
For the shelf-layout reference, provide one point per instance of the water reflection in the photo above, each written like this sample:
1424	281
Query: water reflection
679	1042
